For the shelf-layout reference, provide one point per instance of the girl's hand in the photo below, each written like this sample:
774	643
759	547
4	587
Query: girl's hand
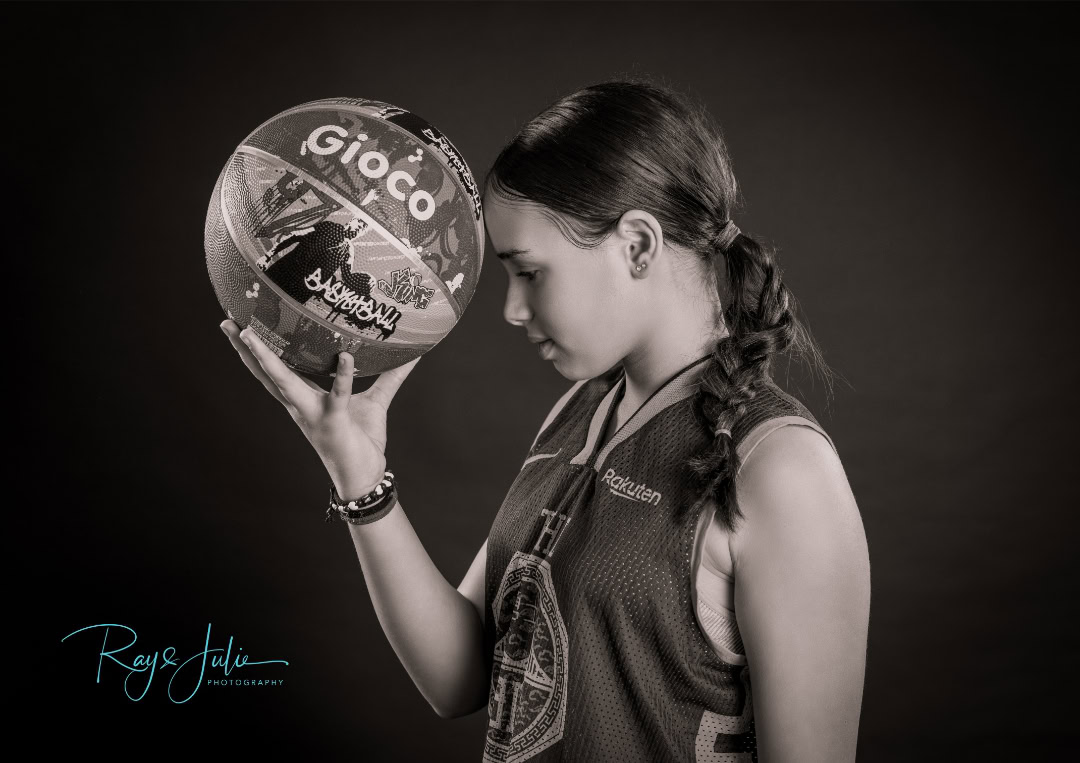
347	431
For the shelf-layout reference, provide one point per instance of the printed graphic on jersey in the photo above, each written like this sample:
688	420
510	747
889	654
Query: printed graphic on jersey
723	738
527	701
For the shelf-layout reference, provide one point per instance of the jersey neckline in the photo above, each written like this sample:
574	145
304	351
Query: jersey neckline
680	386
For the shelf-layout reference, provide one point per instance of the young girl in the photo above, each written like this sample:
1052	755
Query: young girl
680	523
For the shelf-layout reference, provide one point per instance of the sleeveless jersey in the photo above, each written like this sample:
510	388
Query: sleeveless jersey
593	649
714	589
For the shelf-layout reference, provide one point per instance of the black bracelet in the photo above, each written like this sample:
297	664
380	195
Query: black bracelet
375	505
373	513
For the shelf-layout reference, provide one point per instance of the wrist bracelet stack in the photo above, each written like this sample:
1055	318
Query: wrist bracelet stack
375	505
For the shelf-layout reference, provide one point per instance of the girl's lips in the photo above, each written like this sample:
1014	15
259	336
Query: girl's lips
546	349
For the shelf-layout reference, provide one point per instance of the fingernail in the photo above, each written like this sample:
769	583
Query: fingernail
224	330
245	338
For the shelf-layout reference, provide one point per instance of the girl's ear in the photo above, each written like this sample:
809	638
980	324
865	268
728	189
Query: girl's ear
643	237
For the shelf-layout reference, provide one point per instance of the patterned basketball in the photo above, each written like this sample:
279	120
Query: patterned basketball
345	224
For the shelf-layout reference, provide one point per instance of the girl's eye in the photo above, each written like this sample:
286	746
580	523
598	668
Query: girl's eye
529	274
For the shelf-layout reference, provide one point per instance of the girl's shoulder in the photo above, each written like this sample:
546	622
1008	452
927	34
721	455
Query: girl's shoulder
789	444
792	483
790	435
769	451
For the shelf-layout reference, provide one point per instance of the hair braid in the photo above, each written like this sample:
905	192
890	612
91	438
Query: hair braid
761	324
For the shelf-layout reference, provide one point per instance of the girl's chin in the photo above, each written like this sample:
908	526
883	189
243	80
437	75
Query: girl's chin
569	370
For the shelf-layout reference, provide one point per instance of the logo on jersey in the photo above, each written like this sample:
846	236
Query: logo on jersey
624	487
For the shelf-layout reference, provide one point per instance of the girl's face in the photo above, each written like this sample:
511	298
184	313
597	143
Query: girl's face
580	300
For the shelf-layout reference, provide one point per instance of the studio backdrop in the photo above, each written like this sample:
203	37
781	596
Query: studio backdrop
911	162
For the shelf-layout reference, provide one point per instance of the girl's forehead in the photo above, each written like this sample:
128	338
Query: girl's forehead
515	221
509	210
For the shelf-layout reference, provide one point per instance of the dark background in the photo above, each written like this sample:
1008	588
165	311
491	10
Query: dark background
914	164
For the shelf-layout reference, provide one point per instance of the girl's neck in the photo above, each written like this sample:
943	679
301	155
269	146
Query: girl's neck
649	369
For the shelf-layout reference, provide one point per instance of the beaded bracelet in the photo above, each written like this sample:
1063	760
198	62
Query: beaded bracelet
375	505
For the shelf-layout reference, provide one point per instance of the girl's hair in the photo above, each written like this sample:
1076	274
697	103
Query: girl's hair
636	144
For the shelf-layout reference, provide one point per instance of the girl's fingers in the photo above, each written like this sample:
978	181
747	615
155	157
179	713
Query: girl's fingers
250	361
290	385
386	386
341	391
313	385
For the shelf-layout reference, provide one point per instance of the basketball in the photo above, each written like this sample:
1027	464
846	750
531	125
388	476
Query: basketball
345	224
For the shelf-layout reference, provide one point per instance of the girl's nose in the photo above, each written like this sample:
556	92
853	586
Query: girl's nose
516	310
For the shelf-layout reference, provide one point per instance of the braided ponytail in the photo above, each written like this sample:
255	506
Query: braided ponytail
761	322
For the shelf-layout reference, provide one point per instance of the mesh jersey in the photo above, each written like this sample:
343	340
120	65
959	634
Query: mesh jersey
713	589
594	653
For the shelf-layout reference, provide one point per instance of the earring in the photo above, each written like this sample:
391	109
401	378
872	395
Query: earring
641	267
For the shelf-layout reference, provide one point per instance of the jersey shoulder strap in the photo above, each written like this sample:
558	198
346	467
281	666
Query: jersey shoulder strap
771	409
557	408
586	392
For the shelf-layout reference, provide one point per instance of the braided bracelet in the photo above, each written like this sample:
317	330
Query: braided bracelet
375	505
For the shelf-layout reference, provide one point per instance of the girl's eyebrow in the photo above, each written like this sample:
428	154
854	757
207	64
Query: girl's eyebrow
511	254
